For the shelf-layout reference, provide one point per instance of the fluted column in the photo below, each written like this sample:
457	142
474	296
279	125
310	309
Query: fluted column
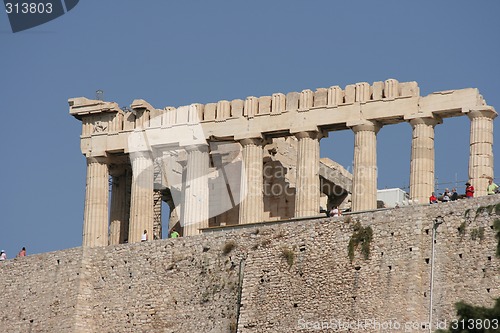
95	223
422	159
307	183
481	149
157	203
196	194
141	202
251	191
364	182
120	205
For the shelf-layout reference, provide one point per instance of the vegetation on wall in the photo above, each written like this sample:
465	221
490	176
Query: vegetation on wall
496	226
476	319
477	233
228	247
288	255
462	228
361	238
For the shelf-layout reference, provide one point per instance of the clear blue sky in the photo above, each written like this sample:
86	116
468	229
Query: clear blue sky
181	52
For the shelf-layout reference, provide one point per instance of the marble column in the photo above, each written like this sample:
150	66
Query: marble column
251	190
141	202
364	182
157	203
422	159
481	149
307	180
196	198
120	205
95	223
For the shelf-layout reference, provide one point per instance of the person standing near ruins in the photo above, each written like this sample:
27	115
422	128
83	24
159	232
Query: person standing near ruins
492	187
144	236
454	194
446	195
469	190
335	212
3	256
174	234
433	199
22	253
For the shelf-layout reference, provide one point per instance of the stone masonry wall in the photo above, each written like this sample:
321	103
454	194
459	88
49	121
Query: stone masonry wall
295	276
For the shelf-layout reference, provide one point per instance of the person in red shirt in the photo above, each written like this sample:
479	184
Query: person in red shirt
433	199
469	190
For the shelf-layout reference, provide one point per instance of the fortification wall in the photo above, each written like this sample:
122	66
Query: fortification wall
294	275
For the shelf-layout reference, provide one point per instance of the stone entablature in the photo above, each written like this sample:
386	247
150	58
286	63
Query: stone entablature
329	109
113	136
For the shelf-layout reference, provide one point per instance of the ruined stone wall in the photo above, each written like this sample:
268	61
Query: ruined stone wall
323	286
293	275
39	293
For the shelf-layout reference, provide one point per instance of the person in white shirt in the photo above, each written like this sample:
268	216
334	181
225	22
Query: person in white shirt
144	236
3	255
335	212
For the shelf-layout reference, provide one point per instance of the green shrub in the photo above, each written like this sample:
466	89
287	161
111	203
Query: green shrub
496	226
288	255
361	237
462	228
228	247
477	233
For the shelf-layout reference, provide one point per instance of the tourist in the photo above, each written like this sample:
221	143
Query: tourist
334	212
174	234
446	195
433	199
22	253
3	255
492	187
144	236
469	191
454	194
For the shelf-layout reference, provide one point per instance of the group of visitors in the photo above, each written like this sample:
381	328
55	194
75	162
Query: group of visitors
3	254
447	196
492	188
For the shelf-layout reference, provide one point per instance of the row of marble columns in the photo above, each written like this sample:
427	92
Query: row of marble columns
195	212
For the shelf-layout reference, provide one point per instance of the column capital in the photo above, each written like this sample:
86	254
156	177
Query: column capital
192	148
479	113
139	154
97	159
252	141
429	121
371	126
311	134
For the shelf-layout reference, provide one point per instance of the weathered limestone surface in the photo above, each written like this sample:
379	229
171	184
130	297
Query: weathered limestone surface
307	180
192	284
422	159
196	197
335	183
252	189
120	206
481	149
95	221
141	207
280	171
364	176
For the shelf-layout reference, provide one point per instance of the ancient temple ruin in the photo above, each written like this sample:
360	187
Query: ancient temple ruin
255	160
